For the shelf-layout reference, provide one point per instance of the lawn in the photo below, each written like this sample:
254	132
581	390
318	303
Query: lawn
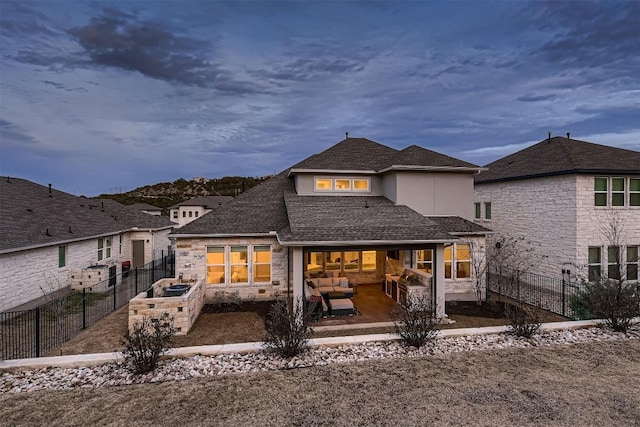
583	384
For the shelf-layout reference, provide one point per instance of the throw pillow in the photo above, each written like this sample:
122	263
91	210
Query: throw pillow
344	283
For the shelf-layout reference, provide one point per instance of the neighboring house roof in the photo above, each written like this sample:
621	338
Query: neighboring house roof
364	155
32	216
274	207
144	207
208	202
560	156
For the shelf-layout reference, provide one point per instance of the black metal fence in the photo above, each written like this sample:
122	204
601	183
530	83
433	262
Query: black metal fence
555	295
36	332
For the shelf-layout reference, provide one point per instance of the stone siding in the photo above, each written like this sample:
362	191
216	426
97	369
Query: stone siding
191	254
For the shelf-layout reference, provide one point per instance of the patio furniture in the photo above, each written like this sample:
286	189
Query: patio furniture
336	295
341	307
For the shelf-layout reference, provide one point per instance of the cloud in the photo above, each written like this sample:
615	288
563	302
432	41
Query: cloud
12	134
304	69
535	98
122	41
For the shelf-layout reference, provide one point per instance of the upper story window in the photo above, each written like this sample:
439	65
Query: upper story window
343	184
616	191
478	214
175	214
104	248
487	210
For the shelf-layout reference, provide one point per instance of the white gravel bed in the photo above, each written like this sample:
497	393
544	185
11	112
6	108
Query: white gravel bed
172	369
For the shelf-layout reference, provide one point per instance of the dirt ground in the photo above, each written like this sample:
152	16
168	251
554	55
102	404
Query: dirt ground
592	384
246	324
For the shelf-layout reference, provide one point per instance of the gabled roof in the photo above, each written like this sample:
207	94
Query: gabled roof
144	207
208	202
366	156
32	216
560	156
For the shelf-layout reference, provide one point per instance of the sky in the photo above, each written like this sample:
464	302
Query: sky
99	97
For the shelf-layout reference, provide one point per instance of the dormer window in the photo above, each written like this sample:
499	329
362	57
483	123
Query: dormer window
343	184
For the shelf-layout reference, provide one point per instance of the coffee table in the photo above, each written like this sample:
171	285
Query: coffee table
336	295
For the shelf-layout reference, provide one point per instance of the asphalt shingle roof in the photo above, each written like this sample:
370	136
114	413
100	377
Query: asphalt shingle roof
361	154
144	207
561	155
31	216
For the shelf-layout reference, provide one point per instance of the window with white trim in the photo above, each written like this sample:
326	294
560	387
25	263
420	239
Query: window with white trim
617	191
614	263
262	263
633	261
62	256
216	261
347	261
600	188
634	191
477	207
457	261
104	248
175	214
595	263
342	184
424	260
239	264
487	210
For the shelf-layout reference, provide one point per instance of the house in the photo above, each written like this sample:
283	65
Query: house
147	208
47	236
359	210
564	196
192	209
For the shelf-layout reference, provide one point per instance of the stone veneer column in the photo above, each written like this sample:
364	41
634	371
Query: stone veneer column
438	277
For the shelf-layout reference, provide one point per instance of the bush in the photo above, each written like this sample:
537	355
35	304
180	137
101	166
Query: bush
524	320
614	301
149	340
287	328
415	322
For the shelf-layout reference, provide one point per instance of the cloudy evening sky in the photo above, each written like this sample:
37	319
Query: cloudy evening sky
96	96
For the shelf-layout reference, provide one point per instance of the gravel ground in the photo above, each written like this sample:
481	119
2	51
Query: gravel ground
114	374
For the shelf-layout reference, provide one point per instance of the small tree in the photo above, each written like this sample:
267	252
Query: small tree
508	257
149	339
57	308
287	327
415	322
479	268
524	320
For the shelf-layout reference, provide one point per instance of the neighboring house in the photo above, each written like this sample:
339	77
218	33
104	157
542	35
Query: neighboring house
359	209
563	195
46	236
192	209
147	208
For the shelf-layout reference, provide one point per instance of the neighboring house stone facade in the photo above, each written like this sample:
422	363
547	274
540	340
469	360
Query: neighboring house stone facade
359	210
559	195
192	209
47	236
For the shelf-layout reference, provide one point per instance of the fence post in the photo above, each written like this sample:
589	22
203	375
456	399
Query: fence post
37	331
153	272
114	297
564	296
84	308
135	272
518	284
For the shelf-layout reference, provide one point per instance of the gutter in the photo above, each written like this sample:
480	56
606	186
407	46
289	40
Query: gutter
433	168
365	242
333	171
191	236
559	173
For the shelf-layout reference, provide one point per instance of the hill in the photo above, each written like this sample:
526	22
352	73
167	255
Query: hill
165	194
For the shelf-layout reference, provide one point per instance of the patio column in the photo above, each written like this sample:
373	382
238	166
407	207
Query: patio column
438	277
298	274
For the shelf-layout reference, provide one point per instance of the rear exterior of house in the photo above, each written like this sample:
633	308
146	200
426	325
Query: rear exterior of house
564	195
358	210
50	240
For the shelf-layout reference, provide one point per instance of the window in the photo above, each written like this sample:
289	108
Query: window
463	261
239	266
614	263
487	210
600	189
184	214
362	184
196	213
595	263
100	249
617	191
314	262
368	260
632	262
215	264
262	263
478	213
190	214
175	214
324	184
424	260
333	260
458	257
62	256
351	260
107	247
120	244
343	184
634	191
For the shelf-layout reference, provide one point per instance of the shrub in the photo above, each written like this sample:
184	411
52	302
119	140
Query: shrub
524	320
615	301
287	328
149	340
415	322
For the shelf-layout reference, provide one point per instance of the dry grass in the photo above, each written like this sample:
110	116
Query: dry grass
585	384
